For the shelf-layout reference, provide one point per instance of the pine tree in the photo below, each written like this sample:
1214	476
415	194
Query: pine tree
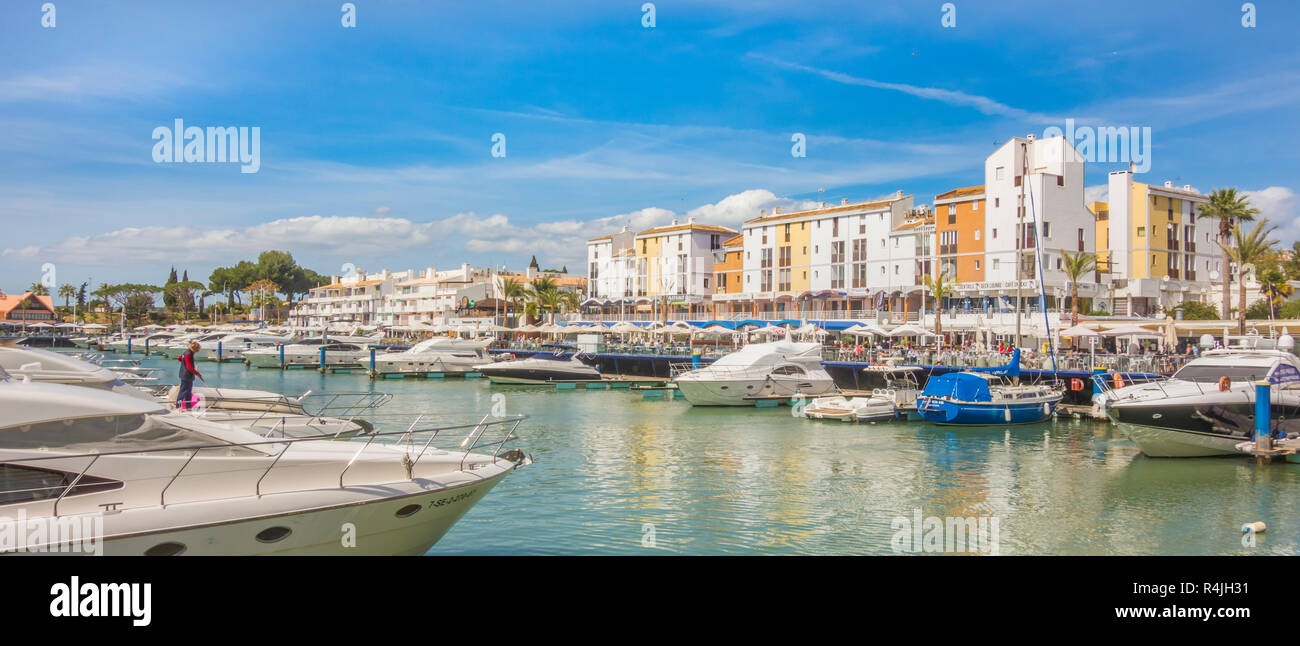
534	264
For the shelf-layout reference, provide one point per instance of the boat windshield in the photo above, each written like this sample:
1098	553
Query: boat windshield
115	433
1211	373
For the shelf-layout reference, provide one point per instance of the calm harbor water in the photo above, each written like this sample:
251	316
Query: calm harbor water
610	465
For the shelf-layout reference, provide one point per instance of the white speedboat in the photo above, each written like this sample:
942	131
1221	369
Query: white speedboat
852	409
177	484
440	354
138	343
1207	407
540	368
176	347
231	347
757	371
307	352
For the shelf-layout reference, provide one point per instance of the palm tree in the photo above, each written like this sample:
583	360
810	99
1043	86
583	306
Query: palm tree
941	288
1246	250
39	289
1274	286
1228	208
515	295
1075	266
68	292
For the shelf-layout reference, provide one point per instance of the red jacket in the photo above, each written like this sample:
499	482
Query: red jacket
187	360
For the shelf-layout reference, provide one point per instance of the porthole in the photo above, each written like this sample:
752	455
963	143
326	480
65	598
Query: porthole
408	511
166	549
273	534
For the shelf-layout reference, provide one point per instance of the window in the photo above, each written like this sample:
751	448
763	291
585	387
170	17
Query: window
1001	173
996	263
1060	180
1142	232
977	264
952	214
975	206
977	234
26	484
995	234
1047	229
997	201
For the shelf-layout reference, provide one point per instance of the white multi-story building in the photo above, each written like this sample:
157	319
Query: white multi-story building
1028	181
359	299
841	257
611	266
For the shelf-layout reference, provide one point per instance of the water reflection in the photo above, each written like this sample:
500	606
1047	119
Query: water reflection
757	481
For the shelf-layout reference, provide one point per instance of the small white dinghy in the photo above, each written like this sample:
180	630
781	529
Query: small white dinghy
851	409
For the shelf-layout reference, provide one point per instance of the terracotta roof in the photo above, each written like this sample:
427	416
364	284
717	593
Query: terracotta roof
961	192
600	238
734	241
10	302
912	224
363	283
1170	189
838	208
656	231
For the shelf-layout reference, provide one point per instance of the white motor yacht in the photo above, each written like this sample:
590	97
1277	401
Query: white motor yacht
52	367
138	343
339	352
164	483
563	363
440	354
1207	407
756	371
231	347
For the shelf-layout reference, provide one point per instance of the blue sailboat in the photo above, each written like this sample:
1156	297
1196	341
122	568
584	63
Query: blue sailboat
986	397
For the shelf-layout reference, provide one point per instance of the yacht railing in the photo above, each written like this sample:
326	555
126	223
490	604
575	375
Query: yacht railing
489	433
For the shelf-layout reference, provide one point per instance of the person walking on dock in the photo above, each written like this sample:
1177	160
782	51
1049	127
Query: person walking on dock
188	372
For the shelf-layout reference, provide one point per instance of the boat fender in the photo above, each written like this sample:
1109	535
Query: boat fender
1225	382
1076	384
1255	527
1119	380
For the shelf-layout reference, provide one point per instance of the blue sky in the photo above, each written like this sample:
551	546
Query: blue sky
376	140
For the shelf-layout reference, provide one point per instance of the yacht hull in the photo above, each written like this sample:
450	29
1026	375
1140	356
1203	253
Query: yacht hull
1161	442
959	413
745	392
532	377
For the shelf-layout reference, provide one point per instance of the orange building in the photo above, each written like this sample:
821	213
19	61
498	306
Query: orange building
959	231
728	272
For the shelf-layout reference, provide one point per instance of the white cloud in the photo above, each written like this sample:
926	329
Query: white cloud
1281	206
369	240
951	97
1098	193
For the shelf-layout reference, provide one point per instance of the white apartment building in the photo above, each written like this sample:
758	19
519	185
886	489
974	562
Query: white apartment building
841	257
611	266
359	299
1027	181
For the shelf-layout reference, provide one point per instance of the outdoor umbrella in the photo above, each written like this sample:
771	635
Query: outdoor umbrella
909	330
1079	331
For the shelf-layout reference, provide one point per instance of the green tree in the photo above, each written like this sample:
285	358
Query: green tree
1198	311
1246	250
39	289
1075	266
940	287
169	301
1227	208
182	293
68	292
